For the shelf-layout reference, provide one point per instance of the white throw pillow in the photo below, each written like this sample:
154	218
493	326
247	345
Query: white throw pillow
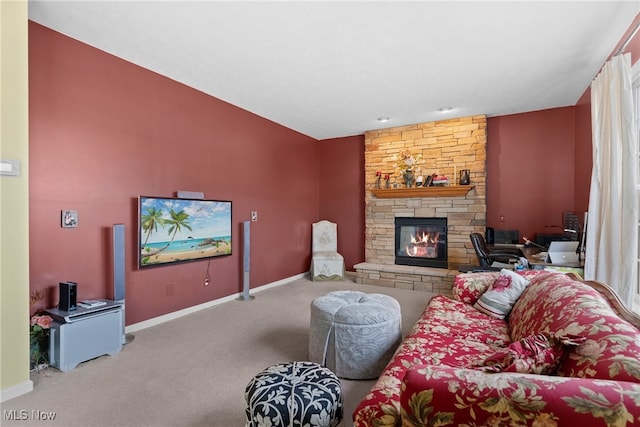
498	300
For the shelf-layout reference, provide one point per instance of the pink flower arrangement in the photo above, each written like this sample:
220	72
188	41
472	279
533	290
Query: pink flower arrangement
39	339
43	321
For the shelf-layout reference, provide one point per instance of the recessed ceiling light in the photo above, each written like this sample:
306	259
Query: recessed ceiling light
445	109
383	119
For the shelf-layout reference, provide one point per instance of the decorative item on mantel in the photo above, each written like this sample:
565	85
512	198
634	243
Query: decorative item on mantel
439	180
387	177
378	178
407	165
464	177
409	178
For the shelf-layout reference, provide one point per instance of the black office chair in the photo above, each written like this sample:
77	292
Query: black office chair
486	257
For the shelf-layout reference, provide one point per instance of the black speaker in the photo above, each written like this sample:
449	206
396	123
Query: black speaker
489	235
68	296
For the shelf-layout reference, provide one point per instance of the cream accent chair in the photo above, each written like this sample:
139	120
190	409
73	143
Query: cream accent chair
326	262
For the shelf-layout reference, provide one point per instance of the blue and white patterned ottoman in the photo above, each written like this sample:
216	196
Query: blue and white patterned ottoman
294	394
354	333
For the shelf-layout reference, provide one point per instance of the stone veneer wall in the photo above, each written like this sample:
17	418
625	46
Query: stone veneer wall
446	146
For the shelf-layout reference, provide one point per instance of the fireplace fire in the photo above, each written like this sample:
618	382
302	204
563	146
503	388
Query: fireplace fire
421	242
425	245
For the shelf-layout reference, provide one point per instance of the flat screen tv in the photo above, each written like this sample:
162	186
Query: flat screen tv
172	230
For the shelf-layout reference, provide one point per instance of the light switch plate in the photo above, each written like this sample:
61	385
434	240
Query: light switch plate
254	216
10	167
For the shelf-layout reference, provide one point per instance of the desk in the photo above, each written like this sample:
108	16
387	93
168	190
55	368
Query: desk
537	264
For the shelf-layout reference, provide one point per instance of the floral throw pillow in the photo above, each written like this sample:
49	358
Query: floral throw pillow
535	354
468	287
502	294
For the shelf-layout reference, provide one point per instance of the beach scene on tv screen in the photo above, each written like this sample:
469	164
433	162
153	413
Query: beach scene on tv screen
175	230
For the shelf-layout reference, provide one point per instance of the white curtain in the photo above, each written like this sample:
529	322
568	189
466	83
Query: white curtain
612	226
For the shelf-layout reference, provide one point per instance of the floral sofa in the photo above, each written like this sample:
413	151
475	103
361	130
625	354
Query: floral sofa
568	353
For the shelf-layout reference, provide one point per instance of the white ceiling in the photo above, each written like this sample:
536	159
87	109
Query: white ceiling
330	69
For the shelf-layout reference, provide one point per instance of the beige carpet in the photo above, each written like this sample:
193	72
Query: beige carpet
192	371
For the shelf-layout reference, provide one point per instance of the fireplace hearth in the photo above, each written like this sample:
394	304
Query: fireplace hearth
421	242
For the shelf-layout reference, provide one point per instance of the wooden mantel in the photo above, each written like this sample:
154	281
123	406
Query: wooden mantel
445	191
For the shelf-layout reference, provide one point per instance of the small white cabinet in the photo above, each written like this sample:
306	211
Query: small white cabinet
84	334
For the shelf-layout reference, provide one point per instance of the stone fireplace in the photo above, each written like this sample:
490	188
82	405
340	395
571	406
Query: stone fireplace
446	147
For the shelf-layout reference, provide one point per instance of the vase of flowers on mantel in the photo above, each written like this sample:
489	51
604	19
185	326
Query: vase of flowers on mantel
407	165
409	178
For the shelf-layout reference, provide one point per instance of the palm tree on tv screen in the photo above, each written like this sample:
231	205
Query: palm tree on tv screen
150	222
153	219
177	221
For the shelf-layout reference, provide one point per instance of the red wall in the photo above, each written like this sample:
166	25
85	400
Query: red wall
104	131
530	170
531	165
633	47
542	152
583	153
342	193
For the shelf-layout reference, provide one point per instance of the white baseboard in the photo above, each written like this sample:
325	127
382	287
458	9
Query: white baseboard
27	386
177	314
16	390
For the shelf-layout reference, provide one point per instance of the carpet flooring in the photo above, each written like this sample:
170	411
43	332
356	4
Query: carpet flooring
192	371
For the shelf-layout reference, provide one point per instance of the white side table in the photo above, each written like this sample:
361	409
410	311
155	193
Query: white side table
85	333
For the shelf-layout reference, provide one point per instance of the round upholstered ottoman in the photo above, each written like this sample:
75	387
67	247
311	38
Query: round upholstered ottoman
294	394
353	333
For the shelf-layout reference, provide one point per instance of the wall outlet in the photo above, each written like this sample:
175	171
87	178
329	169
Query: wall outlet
501	218
254	216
